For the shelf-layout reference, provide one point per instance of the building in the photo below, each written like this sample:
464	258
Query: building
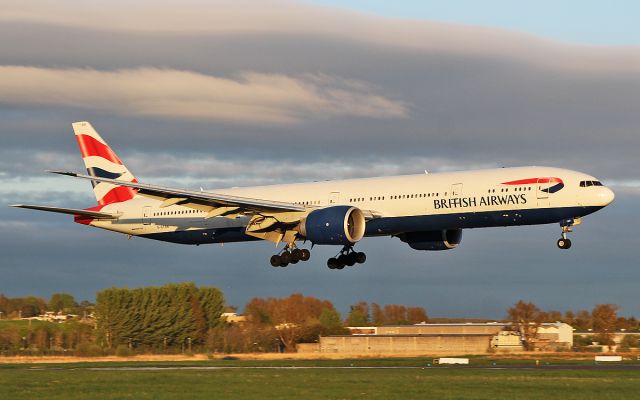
233	318
416	344
51	316
465	338
554	336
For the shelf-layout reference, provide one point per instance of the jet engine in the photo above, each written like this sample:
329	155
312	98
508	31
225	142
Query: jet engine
341	225
433	240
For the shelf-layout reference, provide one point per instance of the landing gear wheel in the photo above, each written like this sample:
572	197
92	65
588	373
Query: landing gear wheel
305	255
350	259
346	257
342	259
296	255
275	260
564	243
285	258
332	263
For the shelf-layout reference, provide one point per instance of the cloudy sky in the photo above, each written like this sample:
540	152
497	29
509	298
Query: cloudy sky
229	93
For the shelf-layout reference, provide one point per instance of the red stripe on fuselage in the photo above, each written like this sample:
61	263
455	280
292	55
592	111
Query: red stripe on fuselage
531	181
91	147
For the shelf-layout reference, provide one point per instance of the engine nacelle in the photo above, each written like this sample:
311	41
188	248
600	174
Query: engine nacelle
433	240
342	225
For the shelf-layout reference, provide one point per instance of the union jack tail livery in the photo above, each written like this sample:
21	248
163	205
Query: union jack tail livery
102	162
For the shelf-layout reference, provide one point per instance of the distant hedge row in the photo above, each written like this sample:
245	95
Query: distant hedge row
157	317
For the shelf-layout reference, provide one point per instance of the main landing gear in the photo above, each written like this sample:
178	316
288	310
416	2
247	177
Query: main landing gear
346	257
290	255
564	243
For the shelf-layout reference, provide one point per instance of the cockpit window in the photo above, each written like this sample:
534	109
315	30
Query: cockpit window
590	183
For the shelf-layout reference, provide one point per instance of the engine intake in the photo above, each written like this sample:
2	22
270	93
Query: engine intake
343	225
433	240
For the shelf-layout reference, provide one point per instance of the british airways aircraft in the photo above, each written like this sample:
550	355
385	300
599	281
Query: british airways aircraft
426	211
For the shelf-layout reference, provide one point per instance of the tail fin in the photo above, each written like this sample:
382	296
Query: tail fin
102	162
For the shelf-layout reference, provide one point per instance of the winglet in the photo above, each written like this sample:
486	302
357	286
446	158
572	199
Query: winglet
67	173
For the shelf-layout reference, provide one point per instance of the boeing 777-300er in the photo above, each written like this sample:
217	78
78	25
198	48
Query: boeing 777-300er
426	211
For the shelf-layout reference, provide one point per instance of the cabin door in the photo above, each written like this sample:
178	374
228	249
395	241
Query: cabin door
456	190
334	198
146	215
542	192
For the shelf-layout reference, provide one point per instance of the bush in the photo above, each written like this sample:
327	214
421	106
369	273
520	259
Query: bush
123	351
631	341
89	350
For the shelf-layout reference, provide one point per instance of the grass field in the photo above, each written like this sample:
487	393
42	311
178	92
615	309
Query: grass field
116	381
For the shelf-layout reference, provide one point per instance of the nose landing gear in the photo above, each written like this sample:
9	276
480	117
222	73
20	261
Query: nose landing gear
564	243
346	257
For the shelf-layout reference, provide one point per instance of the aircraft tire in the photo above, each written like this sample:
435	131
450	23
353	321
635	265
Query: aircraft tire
361	258
275	260
351	259
296	255
306	255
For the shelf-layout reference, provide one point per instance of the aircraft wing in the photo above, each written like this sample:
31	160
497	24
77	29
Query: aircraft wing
200	200
72	211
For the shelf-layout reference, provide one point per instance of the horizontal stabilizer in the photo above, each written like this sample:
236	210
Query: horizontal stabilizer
72	211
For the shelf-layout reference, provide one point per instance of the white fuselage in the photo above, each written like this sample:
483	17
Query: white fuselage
410	203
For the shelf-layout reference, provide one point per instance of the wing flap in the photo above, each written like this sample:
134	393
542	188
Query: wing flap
71	211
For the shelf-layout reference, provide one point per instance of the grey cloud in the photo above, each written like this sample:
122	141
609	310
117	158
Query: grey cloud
165	93
465	105
295	18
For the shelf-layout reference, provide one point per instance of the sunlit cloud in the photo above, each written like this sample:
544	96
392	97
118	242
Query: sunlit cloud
250	97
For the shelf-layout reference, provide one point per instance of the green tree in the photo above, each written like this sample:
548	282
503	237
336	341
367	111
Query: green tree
358	314
170	315
331	323
62	302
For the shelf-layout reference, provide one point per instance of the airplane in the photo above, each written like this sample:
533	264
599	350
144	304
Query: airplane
427	211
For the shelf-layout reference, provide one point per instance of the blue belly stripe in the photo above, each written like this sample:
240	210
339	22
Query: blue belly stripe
396	225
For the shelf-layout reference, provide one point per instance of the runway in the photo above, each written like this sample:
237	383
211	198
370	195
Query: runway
557	367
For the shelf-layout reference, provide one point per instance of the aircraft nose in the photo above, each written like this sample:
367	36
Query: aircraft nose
606	195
